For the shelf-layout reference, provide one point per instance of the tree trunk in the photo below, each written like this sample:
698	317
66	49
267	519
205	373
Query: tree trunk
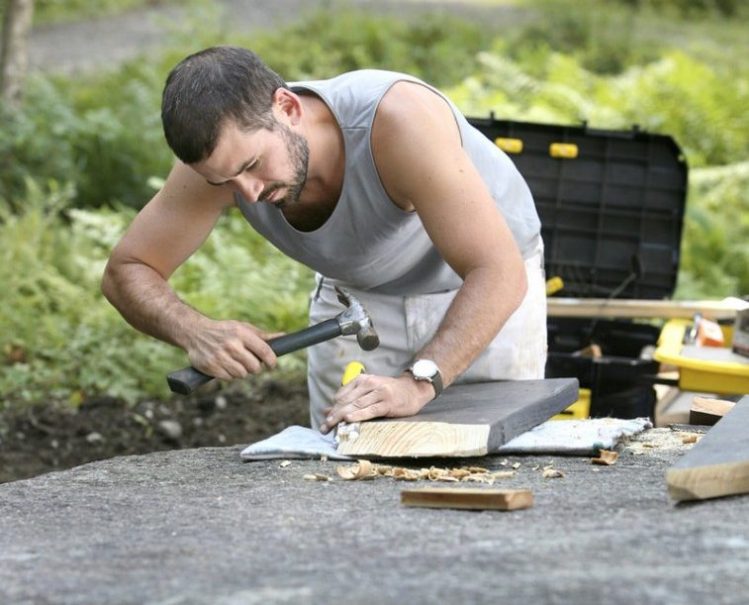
14	55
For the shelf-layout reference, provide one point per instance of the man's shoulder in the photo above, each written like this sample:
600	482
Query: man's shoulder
366	78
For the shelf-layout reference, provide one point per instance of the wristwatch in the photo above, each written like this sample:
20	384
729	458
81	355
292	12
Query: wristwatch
427	370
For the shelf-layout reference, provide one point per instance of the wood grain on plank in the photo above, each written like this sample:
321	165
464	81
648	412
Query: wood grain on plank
418	439
632	308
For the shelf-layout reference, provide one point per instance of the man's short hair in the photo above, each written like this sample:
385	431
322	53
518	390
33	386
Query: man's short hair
210	88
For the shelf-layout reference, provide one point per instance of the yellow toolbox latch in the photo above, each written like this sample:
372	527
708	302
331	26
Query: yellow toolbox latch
564	151
509	145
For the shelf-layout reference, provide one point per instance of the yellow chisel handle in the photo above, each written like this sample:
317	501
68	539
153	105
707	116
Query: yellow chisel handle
344	431
353	369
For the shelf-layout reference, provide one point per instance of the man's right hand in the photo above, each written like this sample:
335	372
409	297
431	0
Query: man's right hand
230	349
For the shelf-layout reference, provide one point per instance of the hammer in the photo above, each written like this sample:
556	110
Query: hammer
354	320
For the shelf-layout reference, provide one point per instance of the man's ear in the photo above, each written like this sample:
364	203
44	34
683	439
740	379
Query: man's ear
287	106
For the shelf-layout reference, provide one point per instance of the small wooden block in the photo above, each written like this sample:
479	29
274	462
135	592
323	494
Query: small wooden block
468	498
707	412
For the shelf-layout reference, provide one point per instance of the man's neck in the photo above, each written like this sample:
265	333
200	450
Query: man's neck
326	153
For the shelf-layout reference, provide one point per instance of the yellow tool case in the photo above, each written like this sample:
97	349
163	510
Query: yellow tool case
701	368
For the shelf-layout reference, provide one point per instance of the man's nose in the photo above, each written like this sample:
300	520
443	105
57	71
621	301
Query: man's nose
249	187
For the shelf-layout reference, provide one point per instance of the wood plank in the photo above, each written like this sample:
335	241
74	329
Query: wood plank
467	498
719	464
632	308
707	411
465	420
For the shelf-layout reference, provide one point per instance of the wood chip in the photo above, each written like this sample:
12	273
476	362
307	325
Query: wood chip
605	457
316	477
362	469
690	438
552	473
405	474
285	463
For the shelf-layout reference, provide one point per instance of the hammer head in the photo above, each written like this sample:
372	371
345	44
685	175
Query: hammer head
356	320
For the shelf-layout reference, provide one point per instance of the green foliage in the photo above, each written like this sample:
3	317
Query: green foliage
104	135
715	257
689	9
437	48
56	11
27	137
677	95
60	339
238	275
604	39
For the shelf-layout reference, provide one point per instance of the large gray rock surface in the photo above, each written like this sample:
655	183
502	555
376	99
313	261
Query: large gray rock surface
200	526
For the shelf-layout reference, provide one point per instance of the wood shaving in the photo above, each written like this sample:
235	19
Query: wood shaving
316	477
363	469
405	474
285	463
552	473
690	438
606	457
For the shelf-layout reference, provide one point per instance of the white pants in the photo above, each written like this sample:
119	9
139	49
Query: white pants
406	324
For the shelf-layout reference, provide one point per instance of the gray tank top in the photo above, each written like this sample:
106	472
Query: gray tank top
368	242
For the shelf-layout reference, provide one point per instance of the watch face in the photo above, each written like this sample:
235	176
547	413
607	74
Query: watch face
425	368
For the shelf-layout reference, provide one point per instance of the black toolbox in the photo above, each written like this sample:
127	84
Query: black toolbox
611	204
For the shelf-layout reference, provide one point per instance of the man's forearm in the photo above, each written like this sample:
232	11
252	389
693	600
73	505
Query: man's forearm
149	304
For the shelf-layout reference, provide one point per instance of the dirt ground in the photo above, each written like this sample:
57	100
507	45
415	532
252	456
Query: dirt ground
47	438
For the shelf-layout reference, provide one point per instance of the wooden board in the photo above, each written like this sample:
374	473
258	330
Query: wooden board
468	498
465	420
631	308
719	464
707	411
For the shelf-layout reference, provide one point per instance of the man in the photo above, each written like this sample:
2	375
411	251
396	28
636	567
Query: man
374	180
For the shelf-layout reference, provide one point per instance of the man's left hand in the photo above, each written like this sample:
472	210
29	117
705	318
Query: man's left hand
370	396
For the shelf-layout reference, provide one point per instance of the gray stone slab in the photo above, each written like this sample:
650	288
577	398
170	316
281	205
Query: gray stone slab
200	526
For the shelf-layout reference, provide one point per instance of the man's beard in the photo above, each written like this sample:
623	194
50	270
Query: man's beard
298	150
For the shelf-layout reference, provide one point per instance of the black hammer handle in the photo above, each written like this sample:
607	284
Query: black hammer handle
186	380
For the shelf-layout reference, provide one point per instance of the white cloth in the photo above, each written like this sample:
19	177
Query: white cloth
570	437
406	324
294	442
575	437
